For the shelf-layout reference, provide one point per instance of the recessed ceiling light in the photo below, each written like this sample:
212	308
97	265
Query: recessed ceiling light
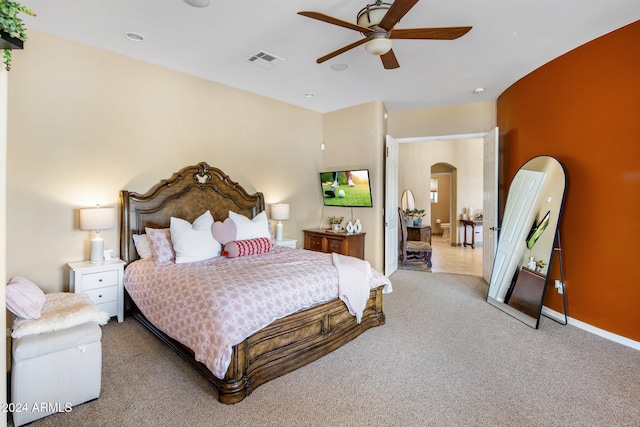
197	3
339	67
478	90
135	37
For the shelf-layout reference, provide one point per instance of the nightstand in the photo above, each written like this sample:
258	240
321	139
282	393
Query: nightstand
287	243
103	283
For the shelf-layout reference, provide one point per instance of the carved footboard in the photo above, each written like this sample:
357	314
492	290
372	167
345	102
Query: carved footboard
283	346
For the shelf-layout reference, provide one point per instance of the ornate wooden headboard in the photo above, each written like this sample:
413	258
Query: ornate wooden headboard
187	195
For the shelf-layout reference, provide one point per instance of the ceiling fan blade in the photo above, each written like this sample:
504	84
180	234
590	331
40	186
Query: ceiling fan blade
398	9
389	60
341	50
335	21
445	33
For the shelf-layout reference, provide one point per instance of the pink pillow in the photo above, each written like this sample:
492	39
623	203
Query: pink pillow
24	298
247	247
224	232
161	242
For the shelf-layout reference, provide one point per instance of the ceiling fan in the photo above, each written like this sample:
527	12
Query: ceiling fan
376	22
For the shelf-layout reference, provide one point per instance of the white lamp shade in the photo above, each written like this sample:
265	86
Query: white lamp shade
378	46
279	211
97	218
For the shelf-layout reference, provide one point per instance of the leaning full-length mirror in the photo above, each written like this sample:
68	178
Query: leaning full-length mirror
526	239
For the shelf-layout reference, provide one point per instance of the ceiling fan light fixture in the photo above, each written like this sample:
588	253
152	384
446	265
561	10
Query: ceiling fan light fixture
197	3
372	14
378	46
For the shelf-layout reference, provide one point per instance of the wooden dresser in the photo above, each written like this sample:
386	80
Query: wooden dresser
343	243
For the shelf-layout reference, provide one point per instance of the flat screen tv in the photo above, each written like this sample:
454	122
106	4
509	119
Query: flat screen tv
346	188
537	230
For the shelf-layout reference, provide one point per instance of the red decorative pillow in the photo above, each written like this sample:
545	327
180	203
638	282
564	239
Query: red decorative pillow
247	247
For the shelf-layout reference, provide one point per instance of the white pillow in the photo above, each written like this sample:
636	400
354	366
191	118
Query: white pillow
247	229
143	246
194	242
24	298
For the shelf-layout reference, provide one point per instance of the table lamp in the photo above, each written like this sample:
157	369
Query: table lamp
97	219
279	211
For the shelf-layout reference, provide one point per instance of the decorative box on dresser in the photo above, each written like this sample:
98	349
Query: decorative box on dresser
327	241
103	283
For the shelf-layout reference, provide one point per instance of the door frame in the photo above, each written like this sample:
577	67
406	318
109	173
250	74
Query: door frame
392	205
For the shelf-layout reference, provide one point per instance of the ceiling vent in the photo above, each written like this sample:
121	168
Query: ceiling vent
264	59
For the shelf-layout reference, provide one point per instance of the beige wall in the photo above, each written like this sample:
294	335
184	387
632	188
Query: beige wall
85	123
448	120
3	228
355	138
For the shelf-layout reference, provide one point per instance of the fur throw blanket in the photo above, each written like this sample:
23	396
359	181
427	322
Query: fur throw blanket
61	310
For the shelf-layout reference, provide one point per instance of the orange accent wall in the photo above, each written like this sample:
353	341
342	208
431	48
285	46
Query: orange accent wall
584	109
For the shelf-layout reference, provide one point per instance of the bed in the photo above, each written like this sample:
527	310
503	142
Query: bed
282	346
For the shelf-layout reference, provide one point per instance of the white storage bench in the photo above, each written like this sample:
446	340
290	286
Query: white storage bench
56	359
55	371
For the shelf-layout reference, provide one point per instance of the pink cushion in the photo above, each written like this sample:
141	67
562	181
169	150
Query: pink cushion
224	232
247	247
161	242
24	298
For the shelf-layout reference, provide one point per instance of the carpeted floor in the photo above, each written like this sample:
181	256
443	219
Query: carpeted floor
444	358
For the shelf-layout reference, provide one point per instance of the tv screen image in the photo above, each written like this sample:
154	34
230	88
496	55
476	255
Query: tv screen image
346	188
537	230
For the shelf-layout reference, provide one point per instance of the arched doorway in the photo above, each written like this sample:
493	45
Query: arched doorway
442	198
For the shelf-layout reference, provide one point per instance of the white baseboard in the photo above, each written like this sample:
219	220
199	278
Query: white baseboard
589	328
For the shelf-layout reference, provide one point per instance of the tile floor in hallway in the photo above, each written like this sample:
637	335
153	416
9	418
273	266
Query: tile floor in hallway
455	259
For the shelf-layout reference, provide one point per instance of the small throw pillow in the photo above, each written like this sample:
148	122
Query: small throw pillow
247	247
247	229
24	298
224	232
143	246
195	242
161	243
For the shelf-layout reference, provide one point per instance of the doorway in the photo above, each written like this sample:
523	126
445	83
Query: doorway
441	196
417	169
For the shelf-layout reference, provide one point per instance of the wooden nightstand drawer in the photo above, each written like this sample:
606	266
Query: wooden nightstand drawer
315	243
102	295
334	245
99	280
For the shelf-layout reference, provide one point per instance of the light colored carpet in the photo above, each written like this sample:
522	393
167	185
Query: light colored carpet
444	358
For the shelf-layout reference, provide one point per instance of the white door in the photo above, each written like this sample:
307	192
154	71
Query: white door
516	224
489	202
391	207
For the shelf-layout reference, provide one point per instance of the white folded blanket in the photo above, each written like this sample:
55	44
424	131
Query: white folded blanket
61	310
353	283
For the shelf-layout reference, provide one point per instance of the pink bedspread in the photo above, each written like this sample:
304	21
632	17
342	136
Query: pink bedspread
212	305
